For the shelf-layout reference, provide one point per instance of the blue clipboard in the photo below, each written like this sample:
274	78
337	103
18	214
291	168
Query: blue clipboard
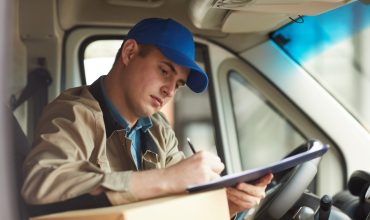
315	149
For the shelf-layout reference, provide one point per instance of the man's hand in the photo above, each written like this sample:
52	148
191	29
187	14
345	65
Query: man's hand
245	196
200	168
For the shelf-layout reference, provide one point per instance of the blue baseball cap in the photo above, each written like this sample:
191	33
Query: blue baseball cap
175	42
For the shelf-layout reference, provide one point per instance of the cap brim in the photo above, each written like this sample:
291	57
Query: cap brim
197	79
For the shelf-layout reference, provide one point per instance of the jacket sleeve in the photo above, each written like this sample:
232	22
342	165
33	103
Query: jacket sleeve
61	164
171	144
169	152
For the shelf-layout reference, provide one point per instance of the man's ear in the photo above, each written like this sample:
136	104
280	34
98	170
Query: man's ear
129	50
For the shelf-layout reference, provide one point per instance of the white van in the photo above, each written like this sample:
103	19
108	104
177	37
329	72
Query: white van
281	72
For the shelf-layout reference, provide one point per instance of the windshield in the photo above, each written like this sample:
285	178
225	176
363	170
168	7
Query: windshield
335	49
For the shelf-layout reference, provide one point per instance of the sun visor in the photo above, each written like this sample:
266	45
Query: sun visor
245	16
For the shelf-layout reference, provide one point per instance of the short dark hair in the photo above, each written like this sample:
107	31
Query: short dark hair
144	50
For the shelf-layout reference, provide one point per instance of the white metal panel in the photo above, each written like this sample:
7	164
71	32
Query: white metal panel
226	120
9	210
352	139
73	43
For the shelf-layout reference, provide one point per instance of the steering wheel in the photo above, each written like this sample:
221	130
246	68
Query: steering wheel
287	186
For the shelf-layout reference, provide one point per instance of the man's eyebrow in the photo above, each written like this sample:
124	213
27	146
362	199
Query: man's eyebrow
182	82
169	64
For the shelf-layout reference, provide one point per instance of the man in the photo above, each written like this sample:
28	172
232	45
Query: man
107	144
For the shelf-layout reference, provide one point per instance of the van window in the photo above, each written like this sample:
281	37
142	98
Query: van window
189	113
264	135
99	57
335	49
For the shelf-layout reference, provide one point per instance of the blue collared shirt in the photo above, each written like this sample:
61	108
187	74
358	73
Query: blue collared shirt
132	133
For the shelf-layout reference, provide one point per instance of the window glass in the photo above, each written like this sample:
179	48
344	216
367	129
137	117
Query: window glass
193	119
335	49
99	57
264	136
189	113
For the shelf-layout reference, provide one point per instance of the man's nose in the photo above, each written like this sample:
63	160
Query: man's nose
169	89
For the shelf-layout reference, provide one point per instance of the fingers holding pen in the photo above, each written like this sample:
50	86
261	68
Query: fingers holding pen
199	168
209	161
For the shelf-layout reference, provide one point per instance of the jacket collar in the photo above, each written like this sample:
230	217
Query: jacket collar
111	124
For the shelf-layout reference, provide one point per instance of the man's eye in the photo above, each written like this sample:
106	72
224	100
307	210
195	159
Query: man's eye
179	85
164	72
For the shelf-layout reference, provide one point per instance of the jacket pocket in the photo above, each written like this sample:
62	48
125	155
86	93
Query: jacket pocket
150	160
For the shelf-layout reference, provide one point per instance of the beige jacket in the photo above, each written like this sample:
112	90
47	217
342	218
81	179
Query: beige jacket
72	154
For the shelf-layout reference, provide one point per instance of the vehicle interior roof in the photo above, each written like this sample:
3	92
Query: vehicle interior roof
73	13
237	25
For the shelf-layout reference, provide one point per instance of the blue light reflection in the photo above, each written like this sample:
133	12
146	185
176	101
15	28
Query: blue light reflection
317	33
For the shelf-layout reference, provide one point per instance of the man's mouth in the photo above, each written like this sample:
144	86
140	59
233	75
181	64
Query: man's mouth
157	100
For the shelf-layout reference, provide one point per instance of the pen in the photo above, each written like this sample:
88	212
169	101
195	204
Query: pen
191	146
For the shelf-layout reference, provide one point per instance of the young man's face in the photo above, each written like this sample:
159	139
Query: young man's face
150	81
